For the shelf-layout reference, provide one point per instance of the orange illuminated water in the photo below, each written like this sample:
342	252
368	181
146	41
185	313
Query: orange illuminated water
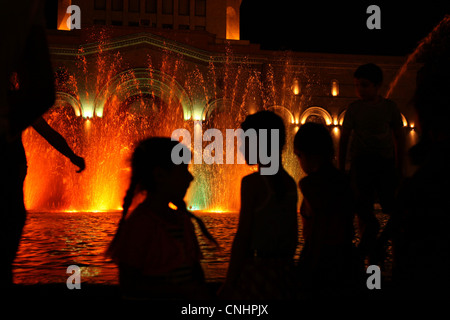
132	111
52	241
73	216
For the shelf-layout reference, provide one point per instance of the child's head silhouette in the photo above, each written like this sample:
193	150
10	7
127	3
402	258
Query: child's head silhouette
368	79
152	170
273	143
370	72
266	120
313	145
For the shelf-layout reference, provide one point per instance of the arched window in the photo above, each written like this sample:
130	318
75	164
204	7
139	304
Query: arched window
334	88
63	98
284	113
316	114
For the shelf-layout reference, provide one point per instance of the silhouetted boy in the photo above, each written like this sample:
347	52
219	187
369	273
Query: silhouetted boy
376	151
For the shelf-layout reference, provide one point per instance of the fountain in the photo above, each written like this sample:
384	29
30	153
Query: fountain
114	106
104	106
426	46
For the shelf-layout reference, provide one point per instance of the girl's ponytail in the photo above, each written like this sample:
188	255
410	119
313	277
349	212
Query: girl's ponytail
181	205
203	228
128	199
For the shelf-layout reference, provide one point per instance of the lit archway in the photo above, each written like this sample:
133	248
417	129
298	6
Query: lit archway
316	112
217	105
143	81
342	116
284	112
62	98
404	120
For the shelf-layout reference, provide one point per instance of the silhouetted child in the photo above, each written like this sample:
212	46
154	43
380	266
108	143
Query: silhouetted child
14	162
421	240
263	249
376	153
24	51
327	263
156	248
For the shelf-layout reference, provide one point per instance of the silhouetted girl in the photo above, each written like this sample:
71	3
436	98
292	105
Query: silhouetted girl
156	247
263	249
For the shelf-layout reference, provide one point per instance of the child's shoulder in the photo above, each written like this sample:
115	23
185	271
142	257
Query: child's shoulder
306	182
257	180
289	179
251	179
388	103
359	102
327	175
142	214
354	103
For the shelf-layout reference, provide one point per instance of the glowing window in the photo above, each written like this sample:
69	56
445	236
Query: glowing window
334	87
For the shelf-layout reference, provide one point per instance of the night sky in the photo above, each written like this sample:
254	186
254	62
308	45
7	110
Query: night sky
339	27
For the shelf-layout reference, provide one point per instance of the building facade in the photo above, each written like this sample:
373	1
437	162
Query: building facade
203	34
148	67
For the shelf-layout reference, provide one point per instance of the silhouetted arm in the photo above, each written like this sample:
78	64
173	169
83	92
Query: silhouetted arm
343	145
58	142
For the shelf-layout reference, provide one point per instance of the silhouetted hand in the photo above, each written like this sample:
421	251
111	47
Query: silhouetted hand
79	162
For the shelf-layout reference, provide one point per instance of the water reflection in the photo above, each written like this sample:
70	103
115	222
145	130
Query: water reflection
52	241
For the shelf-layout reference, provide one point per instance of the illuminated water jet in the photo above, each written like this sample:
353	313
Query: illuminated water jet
424	47
106	107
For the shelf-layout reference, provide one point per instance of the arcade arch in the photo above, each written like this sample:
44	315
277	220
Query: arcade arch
143	81
316	114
